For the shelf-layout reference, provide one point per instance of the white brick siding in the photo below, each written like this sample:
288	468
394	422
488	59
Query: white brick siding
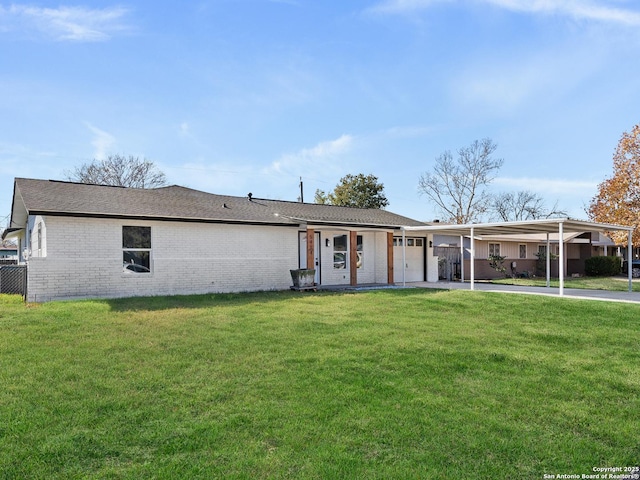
374	268
84	259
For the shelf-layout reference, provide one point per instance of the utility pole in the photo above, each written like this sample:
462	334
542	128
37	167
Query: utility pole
301	191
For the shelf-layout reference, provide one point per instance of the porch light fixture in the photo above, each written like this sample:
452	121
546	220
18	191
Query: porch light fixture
327	242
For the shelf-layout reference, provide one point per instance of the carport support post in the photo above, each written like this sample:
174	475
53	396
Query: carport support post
561	258
630	258
548	261
404	258
461	259
473	261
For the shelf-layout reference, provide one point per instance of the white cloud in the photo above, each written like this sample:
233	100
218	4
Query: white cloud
579	9
200	174
317	158
501	86
77	24
184	130
103	142
402	6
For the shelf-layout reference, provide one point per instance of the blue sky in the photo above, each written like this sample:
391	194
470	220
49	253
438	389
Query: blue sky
238	96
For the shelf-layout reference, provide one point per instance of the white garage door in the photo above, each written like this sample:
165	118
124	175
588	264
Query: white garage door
414	259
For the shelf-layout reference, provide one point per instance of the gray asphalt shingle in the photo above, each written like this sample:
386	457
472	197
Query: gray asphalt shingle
180	203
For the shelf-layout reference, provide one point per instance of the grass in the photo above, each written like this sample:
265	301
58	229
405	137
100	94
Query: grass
616	284
379	384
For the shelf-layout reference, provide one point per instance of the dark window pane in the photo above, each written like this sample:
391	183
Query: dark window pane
136	237
340	243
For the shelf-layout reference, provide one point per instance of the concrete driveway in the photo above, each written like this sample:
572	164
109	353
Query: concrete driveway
604	295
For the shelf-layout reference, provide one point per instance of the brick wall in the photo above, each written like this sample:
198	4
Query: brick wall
483	270
84	259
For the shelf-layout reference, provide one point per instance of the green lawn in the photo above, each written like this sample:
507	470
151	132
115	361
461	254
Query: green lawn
378	384
619	283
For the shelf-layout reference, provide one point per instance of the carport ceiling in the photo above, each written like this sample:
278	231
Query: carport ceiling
544	226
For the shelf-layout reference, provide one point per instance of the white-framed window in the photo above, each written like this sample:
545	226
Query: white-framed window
340	252
359	251
494	249
136	249
542	250
522	250
409	242
39	241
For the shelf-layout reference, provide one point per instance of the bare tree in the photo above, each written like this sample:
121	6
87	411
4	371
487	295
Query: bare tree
523	205
458	186
120	171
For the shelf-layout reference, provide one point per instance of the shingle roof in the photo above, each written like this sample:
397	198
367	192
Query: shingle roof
179	203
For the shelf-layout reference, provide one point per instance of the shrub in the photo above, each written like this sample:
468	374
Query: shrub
541	262
602	266
497	263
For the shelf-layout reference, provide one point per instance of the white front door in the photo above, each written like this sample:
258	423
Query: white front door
302	253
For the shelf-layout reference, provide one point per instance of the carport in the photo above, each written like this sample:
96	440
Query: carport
547	227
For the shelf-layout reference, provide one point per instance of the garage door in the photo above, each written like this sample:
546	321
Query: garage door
414	259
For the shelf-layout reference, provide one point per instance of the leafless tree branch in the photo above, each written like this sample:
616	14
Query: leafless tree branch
121	171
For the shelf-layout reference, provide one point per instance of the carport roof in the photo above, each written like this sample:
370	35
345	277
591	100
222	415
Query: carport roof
545	226
550	225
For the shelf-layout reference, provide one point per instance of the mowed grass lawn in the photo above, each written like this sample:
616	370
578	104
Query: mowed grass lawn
378	384
616	284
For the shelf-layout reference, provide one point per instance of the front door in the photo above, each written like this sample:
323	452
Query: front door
302	253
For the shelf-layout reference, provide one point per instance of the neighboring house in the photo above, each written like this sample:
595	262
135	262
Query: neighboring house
523	253
84	240
8	254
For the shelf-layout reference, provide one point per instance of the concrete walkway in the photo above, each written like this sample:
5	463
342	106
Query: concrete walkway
604	295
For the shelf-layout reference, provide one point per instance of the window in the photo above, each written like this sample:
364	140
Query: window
340	251
359	251
522	251
494	249
136	249
39	244
409	242
542	251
